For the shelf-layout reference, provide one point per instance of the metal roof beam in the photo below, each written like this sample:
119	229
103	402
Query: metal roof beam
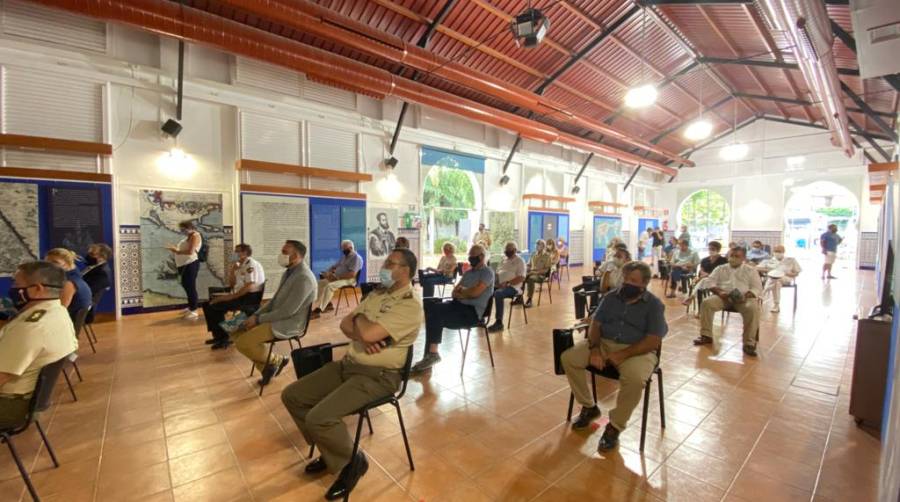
694	2
769	64
850	42
776	99
869	139
587	49
870	113
721	135
821	127
679	125
659	87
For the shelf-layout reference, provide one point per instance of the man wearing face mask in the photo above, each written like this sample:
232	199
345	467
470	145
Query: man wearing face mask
684	263
757	254
510	275
736	286
782	271
470	298
283	317
538	267
381	329
626	331
41	333
342	273
245	276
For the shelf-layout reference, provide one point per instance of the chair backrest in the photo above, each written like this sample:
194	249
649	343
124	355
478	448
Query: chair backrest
95	299
487	310
308	318
404	373
356	280
78	321
43	391
459	270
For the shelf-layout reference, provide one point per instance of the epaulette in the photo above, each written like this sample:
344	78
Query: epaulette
36	316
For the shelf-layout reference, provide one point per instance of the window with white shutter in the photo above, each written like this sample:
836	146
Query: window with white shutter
28	20
270	139
332	148
253	73
329	95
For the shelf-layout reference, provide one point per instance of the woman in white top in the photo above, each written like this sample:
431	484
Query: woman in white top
188	264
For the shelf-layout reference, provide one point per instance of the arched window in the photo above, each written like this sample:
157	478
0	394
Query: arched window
706	215
450	207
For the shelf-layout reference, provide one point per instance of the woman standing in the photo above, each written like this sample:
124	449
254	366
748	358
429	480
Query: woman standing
188	264
75	294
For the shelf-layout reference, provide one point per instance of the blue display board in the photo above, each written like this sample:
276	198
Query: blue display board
605	228
645	223
331	221
546	226
48	233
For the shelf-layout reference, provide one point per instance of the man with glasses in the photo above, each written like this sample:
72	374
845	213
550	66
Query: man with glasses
381	329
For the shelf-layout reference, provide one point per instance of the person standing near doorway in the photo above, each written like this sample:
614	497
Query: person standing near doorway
830	240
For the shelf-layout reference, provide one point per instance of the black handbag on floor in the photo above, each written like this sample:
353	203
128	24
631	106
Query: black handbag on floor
562	340
308	359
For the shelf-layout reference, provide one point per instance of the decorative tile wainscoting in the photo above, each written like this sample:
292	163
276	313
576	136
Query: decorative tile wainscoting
767	237
868	249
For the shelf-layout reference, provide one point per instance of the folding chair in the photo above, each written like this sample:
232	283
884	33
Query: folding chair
457	273
40	401
481	324
563	263
548	279
290	342
613	374
393	400
342	293
520	298
89	321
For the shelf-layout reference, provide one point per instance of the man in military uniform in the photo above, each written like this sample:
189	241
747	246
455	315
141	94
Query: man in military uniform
382	329
245	277
381	238
40	334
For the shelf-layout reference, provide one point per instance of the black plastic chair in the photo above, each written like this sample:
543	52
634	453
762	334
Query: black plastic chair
89	321
342	293
290	342
613	374
78	322
547	278
482	324
40	401
457	273
520	298
393	400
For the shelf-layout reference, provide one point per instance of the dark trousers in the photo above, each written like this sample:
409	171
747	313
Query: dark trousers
429	281
588	288
499	296
214	313
188	274
452	315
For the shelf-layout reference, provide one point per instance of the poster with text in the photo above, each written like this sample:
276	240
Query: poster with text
266	222
19	230
76	218
161	212
381	236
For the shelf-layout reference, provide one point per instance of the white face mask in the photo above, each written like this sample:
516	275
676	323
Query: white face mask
779	256
284	260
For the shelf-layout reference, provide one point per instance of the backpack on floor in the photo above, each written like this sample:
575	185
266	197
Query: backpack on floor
562	341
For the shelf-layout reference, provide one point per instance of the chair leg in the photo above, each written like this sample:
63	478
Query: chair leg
511	305
662	401
359	423
571	404
465	349
412	466
91	332
337	306
77	371
252	367
540	292
268	358
355	296
50	451
487	336
550	292
69	383
312	450
795	298
90	342
25	477
645	412
369	422
524	311
594	387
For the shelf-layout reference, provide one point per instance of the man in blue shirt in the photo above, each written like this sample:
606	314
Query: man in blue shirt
470	299
829	241
342	273
626	332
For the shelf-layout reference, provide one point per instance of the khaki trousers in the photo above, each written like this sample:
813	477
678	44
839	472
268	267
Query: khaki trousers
252	344
327	289
319	401
633	375
13	411
749	311
531	280
774	286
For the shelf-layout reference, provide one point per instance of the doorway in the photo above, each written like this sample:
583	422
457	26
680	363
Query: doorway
808	212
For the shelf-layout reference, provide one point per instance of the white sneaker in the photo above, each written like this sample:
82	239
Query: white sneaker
184	311
191	315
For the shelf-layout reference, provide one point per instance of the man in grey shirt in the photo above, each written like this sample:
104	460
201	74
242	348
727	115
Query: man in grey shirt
470	299
284	316
342	273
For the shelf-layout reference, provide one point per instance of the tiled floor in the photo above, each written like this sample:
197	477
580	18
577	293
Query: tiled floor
161	417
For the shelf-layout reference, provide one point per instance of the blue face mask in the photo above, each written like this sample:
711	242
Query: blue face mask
234	257
387	278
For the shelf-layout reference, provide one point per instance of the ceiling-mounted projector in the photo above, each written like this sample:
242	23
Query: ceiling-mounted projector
530	27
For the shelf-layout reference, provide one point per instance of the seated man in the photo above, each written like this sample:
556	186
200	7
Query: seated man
684	263
470	297
41	333
283	317
538	267
735	286
510	275
245	276
443	274
757	254
607	275
381	329
625	332
342	273
781	271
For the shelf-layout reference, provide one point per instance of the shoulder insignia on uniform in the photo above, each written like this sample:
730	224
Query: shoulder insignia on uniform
249	270
408	295
36	316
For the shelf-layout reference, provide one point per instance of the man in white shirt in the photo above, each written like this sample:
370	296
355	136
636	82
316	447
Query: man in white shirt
510	276
735	286
483	235
782	271
245	276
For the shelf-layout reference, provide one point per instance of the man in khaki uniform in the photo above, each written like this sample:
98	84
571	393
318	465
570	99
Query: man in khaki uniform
40	334
538	267
382	329
626	331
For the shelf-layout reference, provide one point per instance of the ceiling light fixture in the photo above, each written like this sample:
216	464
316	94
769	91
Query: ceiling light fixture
645	94
530	27
735	151
698	130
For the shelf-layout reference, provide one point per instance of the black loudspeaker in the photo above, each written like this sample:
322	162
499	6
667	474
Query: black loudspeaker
390	162
172	128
